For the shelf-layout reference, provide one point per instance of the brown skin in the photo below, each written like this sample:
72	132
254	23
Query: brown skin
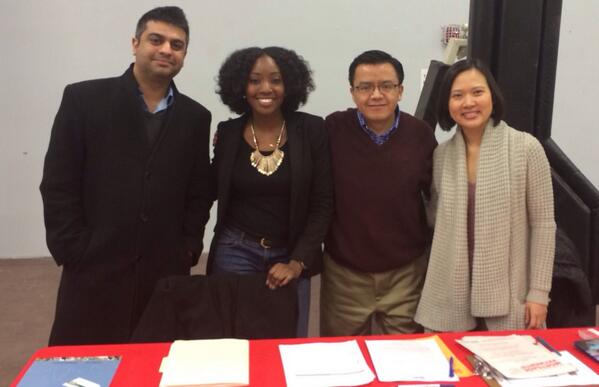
159	55
265	93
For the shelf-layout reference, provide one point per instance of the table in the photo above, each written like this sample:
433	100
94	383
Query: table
140	362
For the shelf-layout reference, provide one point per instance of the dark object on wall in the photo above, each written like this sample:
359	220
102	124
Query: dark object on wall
571	298
218	306
499	32
427	103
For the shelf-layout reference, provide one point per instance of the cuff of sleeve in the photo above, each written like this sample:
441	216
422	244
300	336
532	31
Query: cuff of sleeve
538	296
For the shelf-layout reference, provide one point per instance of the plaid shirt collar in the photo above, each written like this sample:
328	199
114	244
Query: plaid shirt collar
382	138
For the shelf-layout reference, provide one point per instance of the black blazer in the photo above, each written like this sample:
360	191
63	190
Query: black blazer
311	203
120	214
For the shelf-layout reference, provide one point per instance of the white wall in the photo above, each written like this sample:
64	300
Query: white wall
575	126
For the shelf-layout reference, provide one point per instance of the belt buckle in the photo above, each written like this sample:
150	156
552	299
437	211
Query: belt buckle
265	243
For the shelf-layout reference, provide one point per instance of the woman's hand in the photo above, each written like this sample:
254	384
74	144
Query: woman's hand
280	274
534	315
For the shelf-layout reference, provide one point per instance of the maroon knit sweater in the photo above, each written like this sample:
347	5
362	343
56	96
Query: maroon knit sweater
379	222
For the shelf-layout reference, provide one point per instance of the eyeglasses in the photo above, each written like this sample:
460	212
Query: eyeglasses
368	88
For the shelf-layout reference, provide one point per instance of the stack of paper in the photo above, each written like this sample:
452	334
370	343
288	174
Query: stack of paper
325	364
516	356
410	360
222	362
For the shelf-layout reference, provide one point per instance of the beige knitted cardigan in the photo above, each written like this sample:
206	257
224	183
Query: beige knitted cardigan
514	233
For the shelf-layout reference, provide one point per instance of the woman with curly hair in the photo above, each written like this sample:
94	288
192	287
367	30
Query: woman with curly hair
272	171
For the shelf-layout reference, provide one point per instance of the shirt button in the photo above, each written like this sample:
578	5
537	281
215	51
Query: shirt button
147	175
144	218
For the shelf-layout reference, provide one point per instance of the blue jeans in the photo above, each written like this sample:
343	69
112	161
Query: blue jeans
235	253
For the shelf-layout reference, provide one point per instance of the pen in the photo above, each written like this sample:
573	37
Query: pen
451	367
545	344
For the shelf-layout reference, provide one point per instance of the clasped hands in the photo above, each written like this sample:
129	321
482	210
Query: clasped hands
280	274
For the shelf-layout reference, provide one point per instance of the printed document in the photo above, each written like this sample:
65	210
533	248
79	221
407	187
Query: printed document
325	364
410	360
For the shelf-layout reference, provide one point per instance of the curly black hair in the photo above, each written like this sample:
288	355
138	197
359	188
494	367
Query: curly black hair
234	74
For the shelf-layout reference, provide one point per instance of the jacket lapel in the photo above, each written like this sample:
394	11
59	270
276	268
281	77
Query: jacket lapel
231	138
296	156
127	119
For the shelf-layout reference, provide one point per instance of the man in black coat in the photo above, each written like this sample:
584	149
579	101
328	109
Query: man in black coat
126	186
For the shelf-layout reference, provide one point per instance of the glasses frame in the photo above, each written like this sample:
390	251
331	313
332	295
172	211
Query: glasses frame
369	88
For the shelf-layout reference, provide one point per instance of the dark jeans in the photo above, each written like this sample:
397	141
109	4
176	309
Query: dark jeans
237	254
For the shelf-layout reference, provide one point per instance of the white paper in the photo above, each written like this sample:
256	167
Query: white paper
324	364
80	382
583	377
409	360
516	356
223	362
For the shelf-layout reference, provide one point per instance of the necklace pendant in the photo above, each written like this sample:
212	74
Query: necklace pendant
267	165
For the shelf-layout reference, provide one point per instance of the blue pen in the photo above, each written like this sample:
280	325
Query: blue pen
451	373
545	344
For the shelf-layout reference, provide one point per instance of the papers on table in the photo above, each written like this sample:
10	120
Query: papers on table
221	362
325	364
516	356
583	377
410	360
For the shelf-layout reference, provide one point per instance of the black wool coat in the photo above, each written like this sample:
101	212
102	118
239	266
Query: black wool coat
311	201
119	214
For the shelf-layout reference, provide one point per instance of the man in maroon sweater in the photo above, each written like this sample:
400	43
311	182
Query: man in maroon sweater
375	259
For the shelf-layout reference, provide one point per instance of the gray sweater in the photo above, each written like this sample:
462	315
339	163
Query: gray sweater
514	233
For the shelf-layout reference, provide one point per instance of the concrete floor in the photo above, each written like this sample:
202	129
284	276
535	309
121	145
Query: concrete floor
27	299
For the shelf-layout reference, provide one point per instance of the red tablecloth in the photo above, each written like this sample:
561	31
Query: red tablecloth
140	362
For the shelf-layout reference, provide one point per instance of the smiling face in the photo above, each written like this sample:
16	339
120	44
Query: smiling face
377	106
265	90
159	51
470	100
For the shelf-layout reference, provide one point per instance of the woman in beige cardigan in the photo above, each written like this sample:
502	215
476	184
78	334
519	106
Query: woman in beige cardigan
492	208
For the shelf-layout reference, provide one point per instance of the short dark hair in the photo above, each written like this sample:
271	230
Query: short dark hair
375	57
234	74
170	14
443	116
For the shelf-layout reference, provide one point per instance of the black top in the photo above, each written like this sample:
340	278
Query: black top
310	192
259	203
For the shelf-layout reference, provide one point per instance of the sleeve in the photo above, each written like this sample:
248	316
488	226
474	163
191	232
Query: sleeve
200	192
67	234
539	204
320	206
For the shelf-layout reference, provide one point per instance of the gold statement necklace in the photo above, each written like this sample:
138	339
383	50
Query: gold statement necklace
266	165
